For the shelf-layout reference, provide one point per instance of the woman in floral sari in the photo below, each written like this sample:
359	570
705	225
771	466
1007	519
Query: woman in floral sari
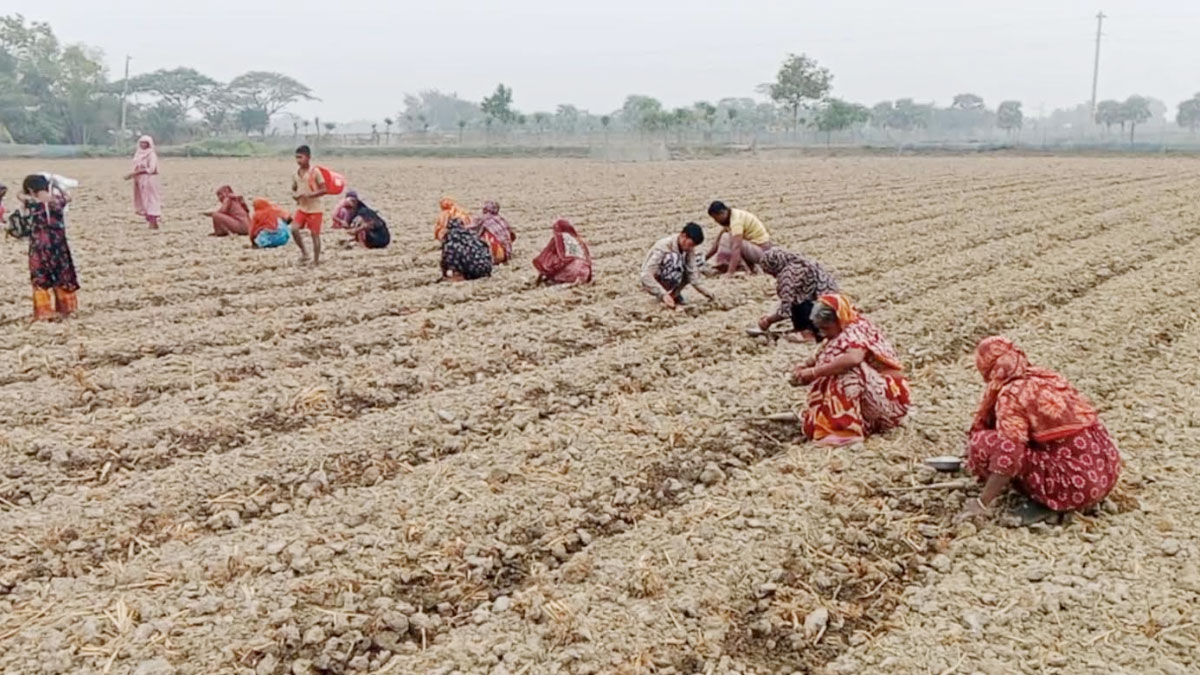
50	266
858	387
495	232
450	210
1035	431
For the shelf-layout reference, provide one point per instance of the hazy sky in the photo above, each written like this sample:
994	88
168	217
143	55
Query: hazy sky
360	56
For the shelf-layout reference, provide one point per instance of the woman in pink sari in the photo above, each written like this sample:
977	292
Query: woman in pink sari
147	190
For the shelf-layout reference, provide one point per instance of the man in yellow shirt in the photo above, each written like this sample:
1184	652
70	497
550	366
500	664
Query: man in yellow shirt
743	238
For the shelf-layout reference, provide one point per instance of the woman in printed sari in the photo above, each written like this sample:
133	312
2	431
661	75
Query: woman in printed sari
147	190
1037	433
566	259
495	232
233	217
858	383
345	211
450	210
51	268
271	225
798	283
464	255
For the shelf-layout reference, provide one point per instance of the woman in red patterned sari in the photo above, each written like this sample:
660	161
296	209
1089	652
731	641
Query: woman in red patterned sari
858	383
1035	431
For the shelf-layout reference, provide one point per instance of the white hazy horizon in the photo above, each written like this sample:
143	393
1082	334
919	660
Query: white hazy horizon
361	58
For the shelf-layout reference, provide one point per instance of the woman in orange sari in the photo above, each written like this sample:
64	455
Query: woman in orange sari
450	211
270	225
858	383
1036	432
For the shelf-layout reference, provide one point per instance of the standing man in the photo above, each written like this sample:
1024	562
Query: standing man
308	186
671	265
743	238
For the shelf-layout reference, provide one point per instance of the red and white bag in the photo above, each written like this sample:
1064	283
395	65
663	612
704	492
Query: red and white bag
335	183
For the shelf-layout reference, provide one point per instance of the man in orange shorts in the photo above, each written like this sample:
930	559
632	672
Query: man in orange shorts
308	186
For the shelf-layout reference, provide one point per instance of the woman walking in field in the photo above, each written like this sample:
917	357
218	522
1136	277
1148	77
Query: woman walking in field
858	383
495	232
1037	433
50	266
147	189
566	259
798	283
450	210
233	217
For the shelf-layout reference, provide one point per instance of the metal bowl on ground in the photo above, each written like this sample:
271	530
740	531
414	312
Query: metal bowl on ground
945	463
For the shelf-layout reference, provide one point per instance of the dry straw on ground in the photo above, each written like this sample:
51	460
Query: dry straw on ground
229	464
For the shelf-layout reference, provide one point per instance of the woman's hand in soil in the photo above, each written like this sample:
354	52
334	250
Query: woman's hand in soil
974	510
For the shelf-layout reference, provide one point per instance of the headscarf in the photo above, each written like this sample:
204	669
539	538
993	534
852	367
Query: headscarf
450	211
226	192
857	333
797	279
1023	402
492	222
145	160
266	217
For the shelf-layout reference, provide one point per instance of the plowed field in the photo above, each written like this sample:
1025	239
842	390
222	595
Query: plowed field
231	464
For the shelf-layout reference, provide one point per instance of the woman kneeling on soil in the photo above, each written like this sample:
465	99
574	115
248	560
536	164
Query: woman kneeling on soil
271	225
1037	432
798	283
464	255
495	232
233	217
858	384
566	259
364	224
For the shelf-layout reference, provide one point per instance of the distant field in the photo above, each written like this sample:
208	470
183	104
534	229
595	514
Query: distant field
229	464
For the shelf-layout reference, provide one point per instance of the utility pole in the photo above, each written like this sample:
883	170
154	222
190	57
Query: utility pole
1096	65
124	97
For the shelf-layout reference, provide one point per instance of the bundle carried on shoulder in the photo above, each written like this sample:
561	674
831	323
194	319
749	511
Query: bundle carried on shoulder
335	183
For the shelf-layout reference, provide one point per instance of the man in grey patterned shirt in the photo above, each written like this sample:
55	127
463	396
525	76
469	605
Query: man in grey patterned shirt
671	265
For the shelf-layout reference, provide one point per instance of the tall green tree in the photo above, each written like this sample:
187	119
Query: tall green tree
837	115
1188	115
800	82
1135	110
50	93
250	120
182	88
272	92
644	113
498	106
1009	116
1108	113
217	108
566	118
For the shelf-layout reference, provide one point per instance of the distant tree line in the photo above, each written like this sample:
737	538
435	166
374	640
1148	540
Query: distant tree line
61	94
50	93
